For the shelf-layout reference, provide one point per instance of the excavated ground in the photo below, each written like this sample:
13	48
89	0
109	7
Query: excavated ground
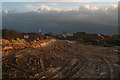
61	60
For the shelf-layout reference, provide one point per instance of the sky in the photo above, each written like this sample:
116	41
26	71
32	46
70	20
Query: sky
23	6
91	17
60	0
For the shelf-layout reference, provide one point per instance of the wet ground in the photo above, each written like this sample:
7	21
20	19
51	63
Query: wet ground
61	60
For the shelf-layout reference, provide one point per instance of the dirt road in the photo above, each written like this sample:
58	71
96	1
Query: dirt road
62	60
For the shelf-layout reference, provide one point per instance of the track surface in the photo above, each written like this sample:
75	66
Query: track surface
61	60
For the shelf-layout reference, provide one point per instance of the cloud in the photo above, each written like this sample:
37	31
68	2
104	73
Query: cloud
11	11
43	8
84	8
4	11
114	6
52	3
61	1
65	0
88	7
70	19
30	7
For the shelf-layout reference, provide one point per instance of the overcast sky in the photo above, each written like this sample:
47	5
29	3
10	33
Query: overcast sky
94	17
